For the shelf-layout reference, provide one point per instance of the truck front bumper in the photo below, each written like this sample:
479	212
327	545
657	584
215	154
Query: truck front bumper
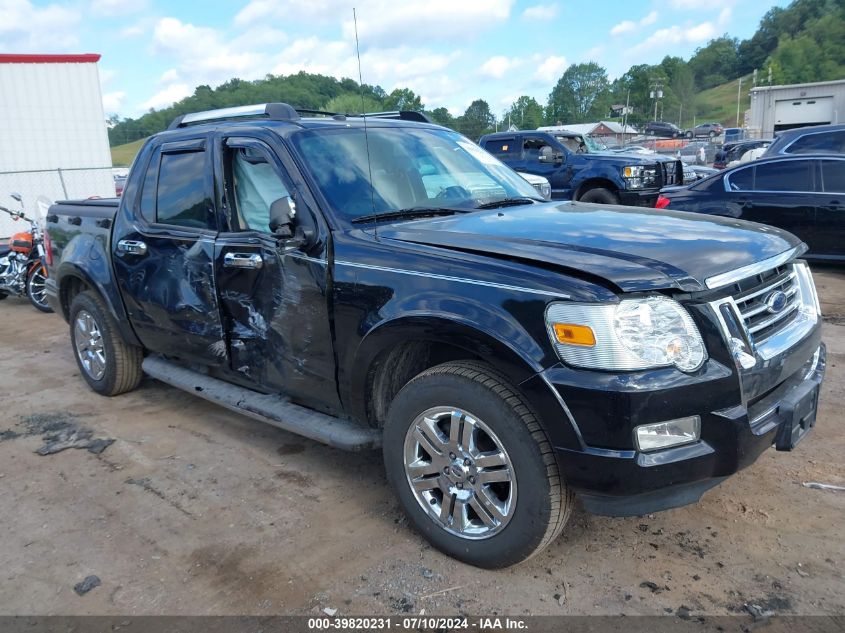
626	482
638	198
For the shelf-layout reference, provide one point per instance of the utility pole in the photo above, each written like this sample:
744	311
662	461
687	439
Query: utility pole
656	94
738	97
625	115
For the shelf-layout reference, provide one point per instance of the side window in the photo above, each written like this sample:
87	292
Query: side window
255	184
148	191
502	148
531	149
181	197
789	175
741	180
833	176
825	142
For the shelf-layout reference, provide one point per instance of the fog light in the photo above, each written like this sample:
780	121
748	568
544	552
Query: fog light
651	437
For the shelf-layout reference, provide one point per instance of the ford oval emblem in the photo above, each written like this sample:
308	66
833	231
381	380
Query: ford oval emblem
776	301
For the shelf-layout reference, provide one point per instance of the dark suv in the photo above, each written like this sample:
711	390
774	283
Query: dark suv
384	282
809	140
663	129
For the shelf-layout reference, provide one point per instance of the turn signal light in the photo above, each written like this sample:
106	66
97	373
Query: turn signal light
662	202
572	334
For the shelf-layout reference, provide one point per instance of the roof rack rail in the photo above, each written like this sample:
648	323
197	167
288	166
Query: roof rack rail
405	115
273	111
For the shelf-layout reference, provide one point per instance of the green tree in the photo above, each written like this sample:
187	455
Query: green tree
350	103
525	113
442	116
403	99
582	94
476	120
716	63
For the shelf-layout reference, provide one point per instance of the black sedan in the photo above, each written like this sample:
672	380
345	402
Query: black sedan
802	194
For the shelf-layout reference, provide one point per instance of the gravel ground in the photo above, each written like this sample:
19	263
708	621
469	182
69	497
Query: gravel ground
192	510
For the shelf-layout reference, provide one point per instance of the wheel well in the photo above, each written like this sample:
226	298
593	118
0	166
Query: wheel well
393	368
70	287
595	183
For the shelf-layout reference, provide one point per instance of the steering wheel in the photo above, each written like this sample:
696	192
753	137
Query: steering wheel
452	193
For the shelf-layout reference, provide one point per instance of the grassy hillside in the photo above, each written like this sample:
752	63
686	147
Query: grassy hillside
719	104
123	155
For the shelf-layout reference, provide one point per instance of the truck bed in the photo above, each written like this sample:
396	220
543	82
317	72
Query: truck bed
80	221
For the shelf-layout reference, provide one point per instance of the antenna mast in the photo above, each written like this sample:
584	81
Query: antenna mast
363	110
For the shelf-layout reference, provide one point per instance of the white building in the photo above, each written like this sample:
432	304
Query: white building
777	108
53	136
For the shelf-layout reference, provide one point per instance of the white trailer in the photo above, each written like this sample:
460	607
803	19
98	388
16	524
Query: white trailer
53	135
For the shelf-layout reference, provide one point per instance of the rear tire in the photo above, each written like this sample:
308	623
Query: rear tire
600	195
468	410
108	364
36	288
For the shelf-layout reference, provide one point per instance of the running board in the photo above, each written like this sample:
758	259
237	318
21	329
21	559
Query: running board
274	410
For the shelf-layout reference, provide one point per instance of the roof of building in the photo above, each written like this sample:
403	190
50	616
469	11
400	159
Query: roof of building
807	85
15	58
589	128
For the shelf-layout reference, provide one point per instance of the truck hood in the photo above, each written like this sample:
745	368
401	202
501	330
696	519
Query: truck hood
632	248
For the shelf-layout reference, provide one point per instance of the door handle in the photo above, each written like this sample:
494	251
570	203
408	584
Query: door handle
132	247
241	260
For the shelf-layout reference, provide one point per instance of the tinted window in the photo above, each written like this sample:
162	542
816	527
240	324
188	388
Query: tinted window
181	197
833	175
742	180
502	148
824	142
789	175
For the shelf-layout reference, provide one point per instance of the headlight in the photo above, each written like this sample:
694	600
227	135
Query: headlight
633	171
639	176
630	335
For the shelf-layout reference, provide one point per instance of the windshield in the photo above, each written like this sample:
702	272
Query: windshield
582	144
411	168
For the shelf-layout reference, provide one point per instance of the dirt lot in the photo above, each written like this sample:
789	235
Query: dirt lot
193	510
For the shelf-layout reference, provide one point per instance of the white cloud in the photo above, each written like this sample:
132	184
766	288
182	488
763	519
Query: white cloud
113	101
625	26
169	76
26	28
498	66
676	35
540	12
550	69
117	7
696	5
725	16
628	26
167	97
651	18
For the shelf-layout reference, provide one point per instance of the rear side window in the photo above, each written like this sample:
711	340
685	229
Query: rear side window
742	180
822	142
502	148
181	196
789	175
833	176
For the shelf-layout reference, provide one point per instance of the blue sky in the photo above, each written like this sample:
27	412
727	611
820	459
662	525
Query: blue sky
448	51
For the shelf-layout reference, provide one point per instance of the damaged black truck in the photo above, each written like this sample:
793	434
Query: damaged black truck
380	281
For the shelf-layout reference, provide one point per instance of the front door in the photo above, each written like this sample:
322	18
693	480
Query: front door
274	296
164	256
558	174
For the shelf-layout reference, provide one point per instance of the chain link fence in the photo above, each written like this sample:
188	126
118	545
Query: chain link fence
54	184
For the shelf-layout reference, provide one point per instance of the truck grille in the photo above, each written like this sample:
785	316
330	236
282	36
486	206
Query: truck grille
763	309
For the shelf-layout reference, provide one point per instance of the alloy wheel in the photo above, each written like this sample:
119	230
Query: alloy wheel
90	348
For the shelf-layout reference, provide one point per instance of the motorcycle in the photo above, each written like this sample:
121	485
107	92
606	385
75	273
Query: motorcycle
23	269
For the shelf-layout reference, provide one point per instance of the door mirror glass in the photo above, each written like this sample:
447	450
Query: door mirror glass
282	212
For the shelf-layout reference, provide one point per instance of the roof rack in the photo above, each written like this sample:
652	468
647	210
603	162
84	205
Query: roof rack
273	111
405	115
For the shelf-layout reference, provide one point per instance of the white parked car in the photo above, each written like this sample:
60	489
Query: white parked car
540	183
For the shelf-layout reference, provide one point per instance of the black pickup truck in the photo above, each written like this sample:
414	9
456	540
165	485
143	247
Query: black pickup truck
382	281
578	168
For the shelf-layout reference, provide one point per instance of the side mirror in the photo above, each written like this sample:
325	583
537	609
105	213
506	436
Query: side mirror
548	155
17	197
282	212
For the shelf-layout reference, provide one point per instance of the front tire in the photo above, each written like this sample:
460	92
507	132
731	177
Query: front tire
36	288
599	195
472	467
108	364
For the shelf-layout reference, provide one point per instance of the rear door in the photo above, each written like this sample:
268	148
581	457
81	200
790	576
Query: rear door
163	254
273	296
781	195
830	212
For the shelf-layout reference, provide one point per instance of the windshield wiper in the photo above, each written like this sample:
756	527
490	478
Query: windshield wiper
508	202
409	213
